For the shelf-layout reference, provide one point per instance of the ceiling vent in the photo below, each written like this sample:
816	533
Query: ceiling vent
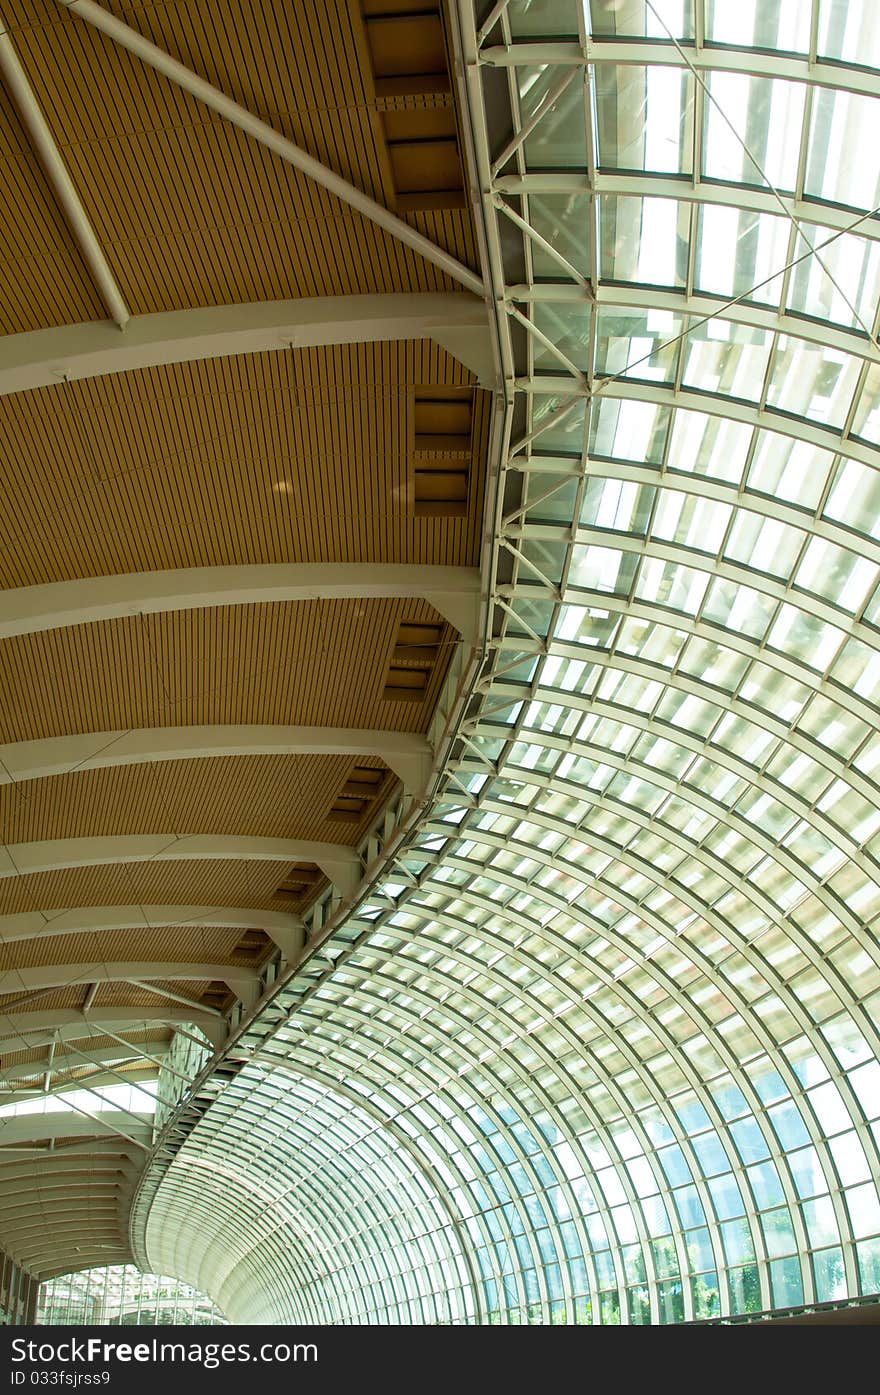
413	660
442	451
254	944
217	995
302	879
358	794
414	99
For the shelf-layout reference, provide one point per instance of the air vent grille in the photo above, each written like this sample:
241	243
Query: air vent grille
407	50
414	657
442	451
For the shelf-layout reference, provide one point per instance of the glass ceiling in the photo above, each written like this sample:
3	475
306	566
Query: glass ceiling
611	1024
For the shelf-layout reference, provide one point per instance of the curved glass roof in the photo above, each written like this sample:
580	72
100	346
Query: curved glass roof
614	1009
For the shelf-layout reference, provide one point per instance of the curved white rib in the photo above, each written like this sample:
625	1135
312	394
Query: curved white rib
407	754
457	321
453	591
338	862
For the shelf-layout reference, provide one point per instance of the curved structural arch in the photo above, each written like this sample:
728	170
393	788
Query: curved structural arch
454	591
42	358
339	862
283	1252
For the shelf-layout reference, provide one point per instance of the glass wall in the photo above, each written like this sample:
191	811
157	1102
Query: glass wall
121	1295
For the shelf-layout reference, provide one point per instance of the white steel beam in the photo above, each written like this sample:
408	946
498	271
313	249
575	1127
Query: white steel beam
701	307
338	862
61	184
152	1051
232	111
42	358
406	753
64	1082
743	197
33	1211
104	1073
67	1161
47	1261
453	591
249	992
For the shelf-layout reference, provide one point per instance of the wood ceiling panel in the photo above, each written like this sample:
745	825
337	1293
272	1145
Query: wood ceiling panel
260	796
127	995
45	282
275	457
185	944
24	999
148	1039
188	209
207	882
312	663
297	455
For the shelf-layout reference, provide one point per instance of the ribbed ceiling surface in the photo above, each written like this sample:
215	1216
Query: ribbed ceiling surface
178	394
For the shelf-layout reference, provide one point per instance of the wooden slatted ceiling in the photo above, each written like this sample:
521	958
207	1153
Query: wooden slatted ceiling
109	995
183	944
288	456
410	83
308	662
260	796
148	1039
71	996
205	883
188	209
